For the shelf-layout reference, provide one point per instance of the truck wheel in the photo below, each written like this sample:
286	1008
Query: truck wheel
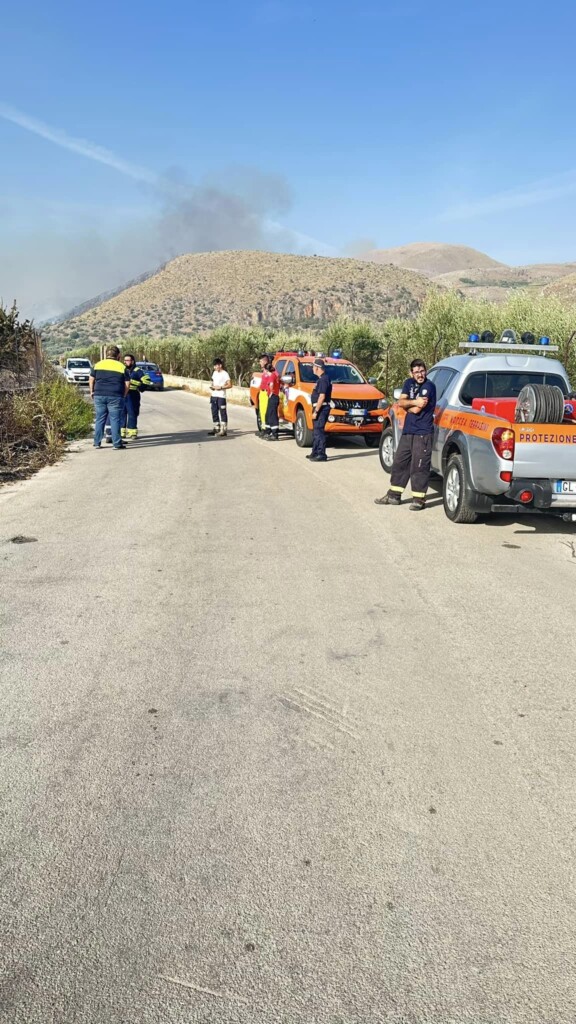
371	440
387	449
302	432
540	403
456	504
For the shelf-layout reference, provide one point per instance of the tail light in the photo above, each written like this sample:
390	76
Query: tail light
525	497
503	440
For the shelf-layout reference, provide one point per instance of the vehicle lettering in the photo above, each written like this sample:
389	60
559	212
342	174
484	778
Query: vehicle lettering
532	438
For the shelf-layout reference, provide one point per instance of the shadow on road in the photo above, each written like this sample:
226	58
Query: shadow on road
352	455
185	437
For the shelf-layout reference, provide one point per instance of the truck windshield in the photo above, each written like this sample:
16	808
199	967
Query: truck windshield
505	384
78	364
339	373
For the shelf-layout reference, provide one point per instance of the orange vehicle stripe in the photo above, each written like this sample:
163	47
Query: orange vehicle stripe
474	423
479	424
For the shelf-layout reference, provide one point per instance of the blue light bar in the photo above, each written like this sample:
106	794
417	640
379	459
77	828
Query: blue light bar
544	340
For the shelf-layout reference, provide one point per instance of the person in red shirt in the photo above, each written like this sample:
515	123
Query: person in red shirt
270	385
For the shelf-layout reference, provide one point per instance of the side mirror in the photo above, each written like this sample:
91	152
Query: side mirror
288	378
397	393
372	380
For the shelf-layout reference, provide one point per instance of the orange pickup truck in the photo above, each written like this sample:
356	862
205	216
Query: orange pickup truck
358	408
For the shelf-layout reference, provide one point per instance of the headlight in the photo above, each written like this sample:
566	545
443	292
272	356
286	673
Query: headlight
383	403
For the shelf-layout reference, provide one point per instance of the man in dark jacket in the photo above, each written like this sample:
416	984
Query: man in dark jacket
414	455
109	383
321	397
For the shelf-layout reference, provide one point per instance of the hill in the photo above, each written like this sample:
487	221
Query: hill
432	258
564	288
201	291
472	272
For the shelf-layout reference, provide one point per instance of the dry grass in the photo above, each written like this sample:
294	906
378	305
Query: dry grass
202	291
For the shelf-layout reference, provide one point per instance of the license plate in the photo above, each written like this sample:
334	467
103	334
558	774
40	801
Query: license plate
565	486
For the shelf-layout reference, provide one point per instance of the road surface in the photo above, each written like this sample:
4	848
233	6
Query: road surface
271	753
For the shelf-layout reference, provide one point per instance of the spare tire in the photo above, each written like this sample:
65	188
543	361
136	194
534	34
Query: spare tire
540	403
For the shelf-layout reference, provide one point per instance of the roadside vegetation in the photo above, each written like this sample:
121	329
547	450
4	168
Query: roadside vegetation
380	350
39	411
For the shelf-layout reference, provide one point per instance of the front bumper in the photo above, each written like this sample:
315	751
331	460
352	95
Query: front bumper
346	423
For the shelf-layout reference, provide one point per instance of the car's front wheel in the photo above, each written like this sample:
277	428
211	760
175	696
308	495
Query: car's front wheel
302	432
387	449
455	492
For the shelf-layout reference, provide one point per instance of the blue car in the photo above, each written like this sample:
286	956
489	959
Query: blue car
155	374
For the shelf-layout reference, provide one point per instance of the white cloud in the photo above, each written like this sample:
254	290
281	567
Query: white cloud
534	193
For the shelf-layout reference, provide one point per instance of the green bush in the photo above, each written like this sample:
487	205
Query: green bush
52	413
380	350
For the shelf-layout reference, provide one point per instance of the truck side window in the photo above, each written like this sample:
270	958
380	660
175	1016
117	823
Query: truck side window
441	379
279	366
290	368
473	387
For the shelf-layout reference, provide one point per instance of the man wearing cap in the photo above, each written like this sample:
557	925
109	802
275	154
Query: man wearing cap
270	387
320	411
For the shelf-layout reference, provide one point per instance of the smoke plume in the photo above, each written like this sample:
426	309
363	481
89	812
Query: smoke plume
50	271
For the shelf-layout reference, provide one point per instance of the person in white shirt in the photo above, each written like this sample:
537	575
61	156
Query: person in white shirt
220	384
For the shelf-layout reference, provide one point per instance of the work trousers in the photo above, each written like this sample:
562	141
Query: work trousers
272	413
131	410
108	406
412	463
319	433
219	410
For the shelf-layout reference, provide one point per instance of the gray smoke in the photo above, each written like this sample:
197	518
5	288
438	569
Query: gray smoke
50	271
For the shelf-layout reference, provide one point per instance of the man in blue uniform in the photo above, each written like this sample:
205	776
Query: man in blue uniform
321	396
413	457
139	379
109	382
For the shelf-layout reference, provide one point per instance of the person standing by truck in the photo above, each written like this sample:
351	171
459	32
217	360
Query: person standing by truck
414	455
270	386
320	411
220	384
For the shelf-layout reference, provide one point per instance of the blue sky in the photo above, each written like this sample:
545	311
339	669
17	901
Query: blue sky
390	121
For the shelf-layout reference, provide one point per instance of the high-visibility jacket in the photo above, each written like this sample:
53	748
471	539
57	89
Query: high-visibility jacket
139	379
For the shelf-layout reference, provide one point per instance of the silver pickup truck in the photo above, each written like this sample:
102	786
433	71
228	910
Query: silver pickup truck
504	434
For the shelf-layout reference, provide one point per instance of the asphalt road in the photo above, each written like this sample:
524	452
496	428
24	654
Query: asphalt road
271	753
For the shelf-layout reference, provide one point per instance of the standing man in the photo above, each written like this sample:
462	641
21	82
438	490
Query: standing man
269	386
129	419
109	383
414	455
138	379
220	384
321	396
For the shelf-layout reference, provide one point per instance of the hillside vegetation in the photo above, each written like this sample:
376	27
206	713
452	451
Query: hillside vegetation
203	291
472	272
382	350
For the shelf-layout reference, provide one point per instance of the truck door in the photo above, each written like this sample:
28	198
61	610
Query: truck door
287	395
441	378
